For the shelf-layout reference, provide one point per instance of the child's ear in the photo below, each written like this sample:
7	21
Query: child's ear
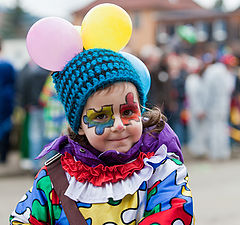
81	131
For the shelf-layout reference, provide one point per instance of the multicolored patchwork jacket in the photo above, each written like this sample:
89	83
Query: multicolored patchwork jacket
152	189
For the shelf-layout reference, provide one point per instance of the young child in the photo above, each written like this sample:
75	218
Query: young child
116	158
120	164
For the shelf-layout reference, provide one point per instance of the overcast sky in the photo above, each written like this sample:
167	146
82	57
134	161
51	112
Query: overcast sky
63	8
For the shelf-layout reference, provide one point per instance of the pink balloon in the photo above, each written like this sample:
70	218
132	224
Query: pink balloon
52	42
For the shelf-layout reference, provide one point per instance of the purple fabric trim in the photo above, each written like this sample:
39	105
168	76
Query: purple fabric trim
92	157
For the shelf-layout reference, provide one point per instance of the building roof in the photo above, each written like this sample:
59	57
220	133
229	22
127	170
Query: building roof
135	5
236	12
186	15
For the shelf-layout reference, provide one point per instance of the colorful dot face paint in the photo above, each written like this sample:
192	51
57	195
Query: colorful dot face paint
130	110
99	119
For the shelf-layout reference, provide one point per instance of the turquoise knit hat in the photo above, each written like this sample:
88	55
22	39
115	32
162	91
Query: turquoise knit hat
88	72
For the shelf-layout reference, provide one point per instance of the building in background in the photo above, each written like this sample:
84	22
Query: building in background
14	25
155	22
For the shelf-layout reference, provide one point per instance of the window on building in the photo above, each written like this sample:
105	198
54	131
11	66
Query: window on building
219	31
202	31
162	36
136	20
171	30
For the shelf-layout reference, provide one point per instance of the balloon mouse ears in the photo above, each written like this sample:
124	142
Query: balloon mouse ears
52	42
141	70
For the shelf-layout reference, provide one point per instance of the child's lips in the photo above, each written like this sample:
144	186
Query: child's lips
118	139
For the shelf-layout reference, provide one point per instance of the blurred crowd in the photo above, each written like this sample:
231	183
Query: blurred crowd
197	89
30	114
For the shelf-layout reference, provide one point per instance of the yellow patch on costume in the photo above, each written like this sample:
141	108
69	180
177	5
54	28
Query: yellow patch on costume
18	223
122	213
186	192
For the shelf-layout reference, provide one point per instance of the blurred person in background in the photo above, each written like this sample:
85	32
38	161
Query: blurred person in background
197	124
235	107
29	85
219	85
175	110
53	112
160	85
151	56
7	94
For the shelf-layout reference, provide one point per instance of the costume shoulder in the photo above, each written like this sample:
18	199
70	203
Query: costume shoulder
38	202
169	138
169	197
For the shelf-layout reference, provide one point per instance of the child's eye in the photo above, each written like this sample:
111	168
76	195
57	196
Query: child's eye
101	117
127	112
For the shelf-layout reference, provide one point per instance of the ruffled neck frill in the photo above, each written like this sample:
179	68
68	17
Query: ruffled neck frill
100	174
92	157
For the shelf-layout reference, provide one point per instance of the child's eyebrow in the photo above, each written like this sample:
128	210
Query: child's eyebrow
103	108
129	98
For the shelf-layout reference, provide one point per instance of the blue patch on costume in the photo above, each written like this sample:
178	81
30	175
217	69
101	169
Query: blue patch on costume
143	186
38	196
166	190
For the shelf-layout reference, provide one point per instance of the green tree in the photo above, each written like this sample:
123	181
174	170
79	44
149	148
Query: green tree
13	22
219	5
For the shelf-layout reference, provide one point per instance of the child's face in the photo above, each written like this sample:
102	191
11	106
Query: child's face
111	119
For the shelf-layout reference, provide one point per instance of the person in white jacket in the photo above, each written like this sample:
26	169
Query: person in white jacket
197	123
218	85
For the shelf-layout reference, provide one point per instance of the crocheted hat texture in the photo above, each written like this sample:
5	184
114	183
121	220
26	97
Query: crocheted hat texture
88	72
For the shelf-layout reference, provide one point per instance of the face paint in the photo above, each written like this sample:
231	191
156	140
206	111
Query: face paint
99	119
130	110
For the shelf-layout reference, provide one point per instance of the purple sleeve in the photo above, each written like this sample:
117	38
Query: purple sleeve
168	137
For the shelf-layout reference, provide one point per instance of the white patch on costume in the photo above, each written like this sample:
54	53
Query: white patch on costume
178	222
181	175
129	215
21	217
165	169
24	197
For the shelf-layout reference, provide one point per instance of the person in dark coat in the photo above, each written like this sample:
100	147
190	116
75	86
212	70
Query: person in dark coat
7	91
29	86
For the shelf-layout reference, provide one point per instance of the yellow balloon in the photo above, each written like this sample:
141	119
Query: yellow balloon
106	26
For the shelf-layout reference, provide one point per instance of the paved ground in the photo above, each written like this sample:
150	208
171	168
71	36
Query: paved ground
215	187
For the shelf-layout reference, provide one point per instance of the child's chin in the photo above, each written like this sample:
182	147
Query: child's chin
122	149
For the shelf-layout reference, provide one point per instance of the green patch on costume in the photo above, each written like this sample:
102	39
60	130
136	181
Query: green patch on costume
178	162
156	209
113	203
39	211
151	193
45	185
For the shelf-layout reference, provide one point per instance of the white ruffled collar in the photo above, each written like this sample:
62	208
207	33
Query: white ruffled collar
88	193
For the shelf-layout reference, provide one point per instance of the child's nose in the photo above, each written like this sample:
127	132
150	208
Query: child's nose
118	125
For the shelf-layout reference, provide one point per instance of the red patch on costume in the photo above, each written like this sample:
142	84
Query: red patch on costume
34	221
43	168
168	217
55	199
156	184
